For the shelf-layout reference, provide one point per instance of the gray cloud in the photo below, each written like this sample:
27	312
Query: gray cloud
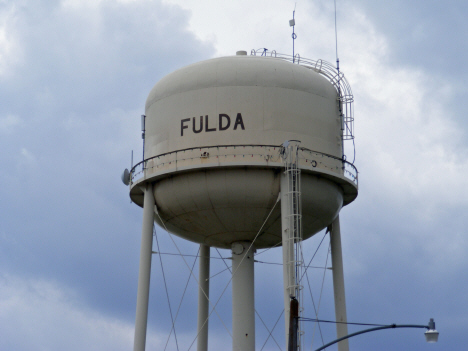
74	77
73	97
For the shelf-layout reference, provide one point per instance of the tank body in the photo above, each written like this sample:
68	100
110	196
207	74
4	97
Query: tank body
214	132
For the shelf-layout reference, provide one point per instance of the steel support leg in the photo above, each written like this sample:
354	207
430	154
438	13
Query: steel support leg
141	319
338	284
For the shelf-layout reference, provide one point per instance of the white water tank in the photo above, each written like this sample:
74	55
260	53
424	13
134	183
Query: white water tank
214	132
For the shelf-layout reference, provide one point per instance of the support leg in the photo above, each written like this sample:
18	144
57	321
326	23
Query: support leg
243	302
203	295
141	319
338	284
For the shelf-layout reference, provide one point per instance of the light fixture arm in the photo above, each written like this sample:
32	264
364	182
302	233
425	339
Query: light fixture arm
431	326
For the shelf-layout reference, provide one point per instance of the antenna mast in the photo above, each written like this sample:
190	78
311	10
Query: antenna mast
336	46
143	130
343	122
292	23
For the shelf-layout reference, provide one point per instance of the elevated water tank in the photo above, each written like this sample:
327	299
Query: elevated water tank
214	132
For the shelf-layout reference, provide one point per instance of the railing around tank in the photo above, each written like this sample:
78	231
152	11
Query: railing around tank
224	155
333	75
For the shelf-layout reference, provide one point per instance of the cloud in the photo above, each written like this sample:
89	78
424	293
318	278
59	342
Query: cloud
9	123
44	315
69	122
240	25
410	146
41	315
10	53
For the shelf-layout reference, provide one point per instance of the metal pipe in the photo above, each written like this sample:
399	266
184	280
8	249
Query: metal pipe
203	298
338	285
141	319
243	298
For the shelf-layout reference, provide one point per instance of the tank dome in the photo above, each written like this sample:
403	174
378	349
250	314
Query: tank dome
242	100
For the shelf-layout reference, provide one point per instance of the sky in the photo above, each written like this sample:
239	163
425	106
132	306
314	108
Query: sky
74	77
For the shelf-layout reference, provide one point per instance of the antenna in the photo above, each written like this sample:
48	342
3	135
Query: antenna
336	46
292	23
339	90
143	130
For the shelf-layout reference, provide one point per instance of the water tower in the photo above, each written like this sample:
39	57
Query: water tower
245	152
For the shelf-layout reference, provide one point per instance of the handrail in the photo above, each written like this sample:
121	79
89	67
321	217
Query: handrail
334	76
349	174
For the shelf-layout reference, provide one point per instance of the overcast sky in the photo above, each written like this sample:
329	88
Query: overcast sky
74	77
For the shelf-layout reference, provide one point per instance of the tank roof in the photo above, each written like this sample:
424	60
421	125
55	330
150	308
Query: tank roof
241	71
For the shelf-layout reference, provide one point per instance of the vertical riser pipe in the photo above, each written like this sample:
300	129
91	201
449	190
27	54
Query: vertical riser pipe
203	298
243	299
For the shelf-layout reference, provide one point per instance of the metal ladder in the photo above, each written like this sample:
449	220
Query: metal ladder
290	155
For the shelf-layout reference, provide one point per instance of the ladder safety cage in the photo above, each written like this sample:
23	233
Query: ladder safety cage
334	76
293	245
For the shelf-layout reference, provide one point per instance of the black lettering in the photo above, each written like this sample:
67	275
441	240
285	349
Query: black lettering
239	121
201	125
206	126
182	126
221	116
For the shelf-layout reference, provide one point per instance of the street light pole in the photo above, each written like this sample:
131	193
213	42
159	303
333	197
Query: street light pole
431	334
